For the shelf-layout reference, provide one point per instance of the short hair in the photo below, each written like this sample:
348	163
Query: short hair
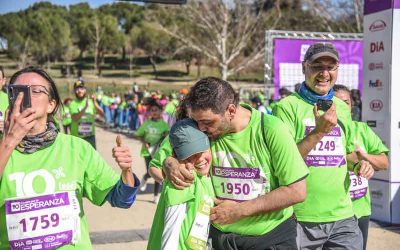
154	103
340	87
53	90
211	93
284	91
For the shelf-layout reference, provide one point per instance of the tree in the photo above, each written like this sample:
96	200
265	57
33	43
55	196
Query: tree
153	41
80	18
104	35
229	33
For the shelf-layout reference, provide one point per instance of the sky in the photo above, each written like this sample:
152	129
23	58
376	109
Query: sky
16	5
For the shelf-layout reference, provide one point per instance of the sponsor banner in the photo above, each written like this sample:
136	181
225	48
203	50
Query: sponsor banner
380	200
289	53
395	197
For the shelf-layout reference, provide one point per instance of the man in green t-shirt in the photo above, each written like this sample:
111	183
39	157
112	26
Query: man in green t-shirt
182	218
322	128
3	101
257	171
370	148
83	111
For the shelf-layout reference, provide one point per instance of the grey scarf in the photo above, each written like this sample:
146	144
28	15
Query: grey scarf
32	143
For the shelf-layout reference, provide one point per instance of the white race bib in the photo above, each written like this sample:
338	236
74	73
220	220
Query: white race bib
85	129
43	222
238	184
329	151
198	236
358	186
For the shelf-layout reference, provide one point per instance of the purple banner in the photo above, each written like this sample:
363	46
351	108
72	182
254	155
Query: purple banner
291	51
396	4
51	241
36	203
237	173
373	6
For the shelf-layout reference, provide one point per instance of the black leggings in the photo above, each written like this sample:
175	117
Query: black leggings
363	224
146	176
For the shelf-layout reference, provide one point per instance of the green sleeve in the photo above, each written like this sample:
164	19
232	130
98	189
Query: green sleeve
140	132
99	177
163	152
288	165
373	144
287	118
73	108
175	196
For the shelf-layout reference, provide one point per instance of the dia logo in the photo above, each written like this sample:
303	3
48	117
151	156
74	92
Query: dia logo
376	47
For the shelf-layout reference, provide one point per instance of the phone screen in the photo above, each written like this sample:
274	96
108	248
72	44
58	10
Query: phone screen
324	105
13	92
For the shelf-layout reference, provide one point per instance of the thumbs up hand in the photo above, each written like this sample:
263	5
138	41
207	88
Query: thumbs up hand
363	168
123	157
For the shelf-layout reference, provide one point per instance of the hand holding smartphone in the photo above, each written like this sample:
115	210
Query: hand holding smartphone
324	105
13	92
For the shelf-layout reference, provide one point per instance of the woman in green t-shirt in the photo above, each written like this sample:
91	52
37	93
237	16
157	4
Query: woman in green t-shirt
44	174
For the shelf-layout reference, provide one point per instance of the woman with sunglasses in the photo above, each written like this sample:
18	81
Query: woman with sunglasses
44	174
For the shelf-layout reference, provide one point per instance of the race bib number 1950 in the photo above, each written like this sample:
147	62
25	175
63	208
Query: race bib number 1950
43	222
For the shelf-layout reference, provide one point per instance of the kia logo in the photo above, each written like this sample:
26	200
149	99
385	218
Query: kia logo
377	26
376	47
376	105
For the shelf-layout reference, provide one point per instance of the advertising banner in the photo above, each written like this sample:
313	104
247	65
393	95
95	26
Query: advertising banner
289	53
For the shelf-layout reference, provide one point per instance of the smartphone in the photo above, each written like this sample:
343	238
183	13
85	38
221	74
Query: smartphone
13	92
324	105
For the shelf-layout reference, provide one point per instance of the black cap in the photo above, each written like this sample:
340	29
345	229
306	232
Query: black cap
318	50
79	84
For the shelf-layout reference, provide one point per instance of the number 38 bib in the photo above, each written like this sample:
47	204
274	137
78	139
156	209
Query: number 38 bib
329	151
239	184
43	222
358	186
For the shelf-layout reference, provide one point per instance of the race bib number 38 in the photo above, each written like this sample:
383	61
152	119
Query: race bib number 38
358	186
42	222
239	184
328	152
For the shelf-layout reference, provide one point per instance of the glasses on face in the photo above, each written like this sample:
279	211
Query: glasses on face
322	67
37	90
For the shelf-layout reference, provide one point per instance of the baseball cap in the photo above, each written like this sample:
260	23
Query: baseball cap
318	50
256	99
79	84
186	139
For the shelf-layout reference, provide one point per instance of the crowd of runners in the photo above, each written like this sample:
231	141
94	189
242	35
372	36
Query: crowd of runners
229	175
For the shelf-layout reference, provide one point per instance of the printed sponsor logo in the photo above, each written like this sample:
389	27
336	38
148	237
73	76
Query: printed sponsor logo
371	124
375	84
377	25
376	47
376	105
375	66
15	207
376	194
49	239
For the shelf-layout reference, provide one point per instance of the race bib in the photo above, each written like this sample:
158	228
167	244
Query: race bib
358	186
329	151
198	236
238	184
43	222
85	129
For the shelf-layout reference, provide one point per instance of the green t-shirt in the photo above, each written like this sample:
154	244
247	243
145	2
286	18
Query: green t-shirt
152	132
368	141
85	127
327	185
162	153
66	116
170	108
246	167
194	198
69	164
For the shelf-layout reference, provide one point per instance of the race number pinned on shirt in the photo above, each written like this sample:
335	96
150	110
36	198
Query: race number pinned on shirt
85	129
238	184
358	186
43	222
198	236
329	151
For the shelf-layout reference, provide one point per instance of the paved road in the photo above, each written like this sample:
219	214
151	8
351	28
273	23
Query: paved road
119	229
